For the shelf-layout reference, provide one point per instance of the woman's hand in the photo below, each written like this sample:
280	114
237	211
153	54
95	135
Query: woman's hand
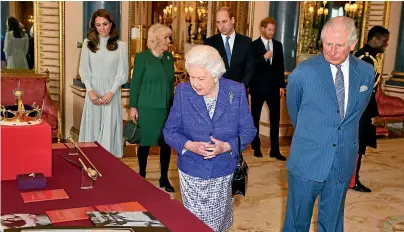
106	99
200	148
93	97
218	147
133	114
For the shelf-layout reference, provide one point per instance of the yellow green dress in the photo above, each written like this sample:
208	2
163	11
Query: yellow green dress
151	92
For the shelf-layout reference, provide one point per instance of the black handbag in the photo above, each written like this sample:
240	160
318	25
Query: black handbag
240	175
132	133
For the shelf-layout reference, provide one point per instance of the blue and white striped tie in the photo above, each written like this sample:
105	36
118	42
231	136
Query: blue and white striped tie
340	88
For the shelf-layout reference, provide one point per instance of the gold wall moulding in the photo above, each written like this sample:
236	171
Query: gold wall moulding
49	54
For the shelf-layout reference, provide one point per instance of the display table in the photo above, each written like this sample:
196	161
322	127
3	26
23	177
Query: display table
118	184
26	149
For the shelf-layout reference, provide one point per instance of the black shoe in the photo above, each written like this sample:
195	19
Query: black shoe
167	186
258	153
360	187
277	155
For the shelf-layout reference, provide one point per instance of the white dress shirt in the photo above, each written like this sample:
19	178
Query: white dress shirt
231	40
271	46
345	71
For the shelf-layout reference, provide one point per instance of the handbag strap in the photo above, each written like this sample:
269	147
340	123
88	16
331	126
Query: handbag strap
240	154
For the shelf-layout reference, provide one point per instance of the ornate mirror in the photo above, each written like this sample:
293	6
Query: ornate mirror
43	24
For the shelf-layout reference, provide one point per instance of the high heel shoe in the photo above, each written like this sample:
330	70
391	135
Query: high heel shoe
167	186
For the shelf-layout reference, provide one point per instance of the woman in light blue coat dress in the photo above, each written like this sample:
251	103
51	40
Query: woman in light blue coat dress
103	69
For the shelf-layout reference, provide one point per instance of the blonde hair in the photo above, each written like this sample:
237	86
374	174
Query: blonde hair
155	34
205	57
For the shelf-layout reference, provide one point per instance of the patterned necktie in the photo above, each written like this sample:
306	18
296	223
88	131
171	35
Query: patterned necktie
228	51
340	88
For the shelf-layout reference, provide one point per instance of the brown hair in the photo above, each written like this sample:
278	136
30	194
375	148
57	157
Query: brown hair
92	34
266	21
228	10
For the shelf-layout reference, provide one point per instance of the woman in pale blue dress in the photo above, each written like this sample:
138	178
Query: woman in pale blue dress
103	69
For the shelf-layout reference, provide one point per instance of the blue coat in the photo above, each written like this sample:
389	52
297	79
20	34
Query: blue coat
321	139
189	120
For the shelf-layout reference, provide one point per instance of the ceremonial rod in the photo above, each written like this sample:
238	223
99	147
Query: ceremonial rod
78	148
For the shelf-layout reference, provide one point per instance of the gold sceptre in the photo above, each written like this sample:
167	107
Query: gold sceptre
90	172
88	160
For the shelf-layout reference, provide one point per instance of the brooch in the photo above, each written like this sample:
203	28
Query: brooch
231	97
168	58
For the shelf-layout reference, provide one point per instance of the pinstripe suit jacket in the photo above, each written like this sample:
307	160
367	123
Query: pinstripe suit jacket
189	120
321	139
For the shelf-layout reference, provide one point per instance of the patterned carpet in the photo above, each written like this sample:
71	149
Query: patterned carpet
263	209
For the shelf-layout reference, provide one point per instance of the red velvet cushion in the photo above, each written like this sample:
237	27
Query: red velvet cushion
34	90
389	105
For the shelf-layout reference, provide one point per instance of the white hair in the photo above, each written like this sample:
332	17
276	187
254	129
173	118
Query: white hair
206	57
344	22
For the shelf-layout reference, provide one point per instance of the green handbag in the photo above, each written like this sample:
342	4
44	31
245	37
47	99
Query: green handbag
132	132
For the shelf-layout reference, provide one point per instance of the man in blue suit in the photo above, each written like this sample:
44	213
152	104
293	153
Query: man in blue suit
326	96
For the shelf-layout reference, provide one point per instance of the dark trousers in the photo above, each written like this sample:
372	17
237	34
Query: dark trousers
165	155
273	101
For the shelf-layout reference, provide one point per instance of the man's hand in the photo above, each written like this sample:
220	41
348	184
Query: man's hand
93	97
282	92
106	99
268	55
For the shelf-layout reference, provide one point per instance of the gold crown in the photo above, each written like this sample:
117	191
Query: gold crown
20	114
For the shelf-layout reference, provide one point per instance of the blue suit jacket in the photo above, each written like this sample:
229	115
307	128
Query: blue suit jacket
189	120
321	139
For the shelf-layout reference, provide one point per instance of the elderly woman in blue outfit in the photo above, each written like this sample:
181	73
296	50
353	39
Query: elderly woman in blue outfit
208	115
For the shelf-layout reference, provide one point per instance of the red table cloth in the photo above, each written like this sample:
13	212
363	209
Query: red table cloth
118	184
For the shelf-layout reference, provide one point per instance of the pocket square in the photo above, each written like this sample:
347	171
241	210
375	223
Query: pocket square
363	88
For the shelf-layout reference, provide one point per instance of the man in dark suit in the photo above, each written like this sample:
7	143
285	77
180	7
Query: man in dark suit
377	42
234	48
267	84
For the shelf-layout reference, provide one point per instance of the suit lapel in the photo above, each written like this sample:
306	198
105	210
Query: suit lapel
200	106
234	53
326	77
353	86
222	101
